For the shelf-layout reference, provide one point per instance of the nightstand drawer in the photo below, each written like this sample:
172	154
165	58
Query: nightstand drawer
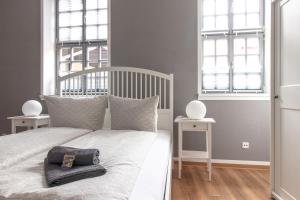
193	126
24	122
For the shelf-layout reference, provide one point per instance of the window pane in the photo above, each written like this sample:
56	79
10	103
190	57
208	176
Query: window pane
76	67
64	34
222	64
95	4
222	22
209	62
76	33
239	61
69	5
239	46
239	21
222	47
96	17
104	64
93	54
64	19
65	54
76	18
91	32
208	7
209	47
92	65
209	82
253	64
104	53
77	54
240	82
102	32
102	17
254	82
221	7
63	69
252	46
252	20
253	5
222	82
208	23
91	17
239	6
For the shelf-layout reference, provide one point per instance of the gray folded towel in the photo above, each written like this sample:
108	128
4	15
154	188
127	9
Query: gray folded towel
82	156
56	176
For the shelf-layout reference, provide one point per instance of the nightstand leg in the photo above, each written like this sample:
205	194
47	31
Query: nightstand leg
179	150
13	127
209	136
35	124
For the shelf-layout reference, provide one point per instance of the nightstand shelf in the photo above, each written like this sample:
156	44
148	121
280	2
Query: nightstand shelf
29	122
203	125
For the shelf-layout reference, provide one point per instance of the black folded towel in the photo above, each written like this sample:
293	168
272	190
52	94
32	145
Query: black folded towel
56	176
82	156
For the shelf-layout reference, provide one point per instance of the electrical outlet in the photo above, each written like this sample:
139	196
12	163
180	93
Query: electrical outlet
245	145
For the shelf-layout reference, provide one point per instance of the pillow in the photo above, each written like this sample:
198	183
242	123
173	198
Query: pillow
85	113
133	114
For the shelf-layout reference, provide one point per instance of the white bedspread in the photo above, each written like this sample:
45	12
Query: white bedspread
17	147
122	153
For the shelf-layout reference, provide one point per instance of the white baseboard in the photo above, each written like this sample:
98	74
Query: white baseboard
223	161
276	196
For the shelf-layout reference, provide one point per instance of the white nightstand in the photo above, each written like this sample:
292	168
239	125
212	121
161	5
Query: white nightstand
203	125
29	122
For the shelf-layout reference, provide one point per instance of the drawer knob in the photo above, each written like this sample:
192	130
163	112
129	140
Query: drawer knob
23	122
194	125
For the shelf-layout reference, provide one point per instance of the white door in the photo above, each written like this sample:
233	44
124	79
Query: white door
287	105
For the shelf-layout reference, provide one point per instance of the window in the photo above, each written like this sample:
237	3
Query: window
82	39
232	46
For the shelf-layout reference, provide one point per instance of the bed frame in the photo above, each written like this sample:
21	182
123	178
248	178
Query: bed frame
126	82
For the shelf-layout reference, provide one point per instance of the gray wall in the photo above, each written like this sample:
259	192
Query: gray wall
19	56
160	34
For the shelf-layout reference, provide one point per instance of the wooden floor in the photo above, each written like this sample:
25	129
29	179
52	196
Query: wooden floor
228	183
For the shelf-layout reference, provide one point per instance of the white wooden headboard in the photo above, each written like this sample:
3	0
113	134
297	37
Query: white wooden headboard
127	82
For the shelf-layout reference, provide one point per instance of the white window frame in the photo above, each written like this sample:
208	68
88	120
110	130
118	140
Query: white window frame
266	71
83	44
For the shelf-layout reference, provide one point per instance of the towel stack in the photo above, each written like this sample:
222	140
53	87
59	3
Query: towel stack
66	164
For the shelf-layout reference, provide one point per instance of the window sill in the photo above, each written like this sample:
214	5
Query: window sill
245	97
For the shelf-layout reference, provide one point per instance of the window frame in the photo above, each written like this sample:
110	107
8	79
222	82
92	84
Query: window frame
230	34
83	43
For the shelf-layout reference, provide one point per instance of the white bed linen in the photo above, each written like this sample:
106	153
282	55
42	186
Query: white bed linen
151	182
122	154
17	147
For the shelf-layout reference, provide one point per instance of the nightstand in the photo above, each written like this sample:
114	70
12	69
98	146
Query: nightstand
29	122
201	126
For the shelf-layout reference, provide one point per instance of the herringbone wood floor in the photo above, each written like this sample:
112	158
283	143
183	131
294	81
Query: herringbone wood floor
228	183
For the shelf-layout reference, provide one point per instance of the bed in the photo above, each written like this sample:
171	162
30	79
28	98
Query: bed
139	163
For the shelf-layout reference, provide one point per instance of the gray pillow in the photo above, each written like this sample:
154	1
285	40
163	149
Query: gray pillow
85	113
133	114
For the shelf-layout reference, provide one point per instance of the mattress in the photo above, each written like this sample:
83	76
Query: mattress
151	182
134	161
17	147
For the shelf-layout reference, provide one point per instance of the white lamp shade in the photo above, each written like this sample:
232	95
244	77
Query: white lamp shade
196	110
32	108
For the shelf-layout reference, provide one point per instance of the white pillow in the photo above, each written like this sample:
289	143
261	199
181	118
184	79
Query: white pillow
133	114
85	113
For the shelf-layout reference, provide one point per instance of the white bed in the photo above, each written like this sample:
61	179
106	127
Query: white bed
147	160
136	164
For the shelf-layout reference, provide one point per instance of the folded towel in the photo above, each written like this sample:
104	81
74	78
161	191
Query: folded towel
82	156
56	176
